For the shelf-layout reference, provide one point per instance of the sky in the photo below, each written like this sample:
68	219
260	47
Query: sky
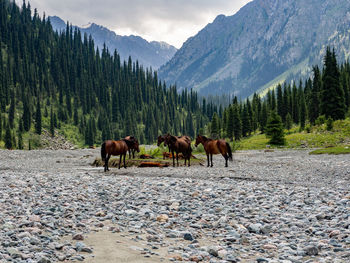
171	21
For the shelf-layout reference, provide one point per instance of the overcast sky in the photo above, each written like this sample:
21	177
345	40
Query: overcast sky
172	21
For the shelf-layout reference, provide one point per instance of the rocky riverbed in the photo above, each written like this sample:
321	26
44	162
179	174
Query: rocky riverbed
282	206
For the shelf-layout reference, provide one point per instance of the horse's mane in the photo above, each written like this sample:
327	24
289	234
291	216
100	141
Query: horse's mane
206	138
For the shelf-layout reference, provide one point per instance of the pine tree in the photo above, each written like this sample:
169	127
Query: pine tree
20	141
263	117
52	123
332	94
8	137
38	118
237	123
26	117
215	126
289	121
230	122
314	106
302	109
246	125
280	103
274	129
12	110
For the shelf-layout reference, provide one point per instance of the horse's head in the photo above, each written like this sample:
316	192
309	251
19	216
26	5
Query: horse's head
199	140
160	139
136	145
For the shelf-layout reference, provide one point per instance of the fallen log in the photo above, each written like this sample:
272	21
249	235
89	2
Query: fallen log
146	156
153	164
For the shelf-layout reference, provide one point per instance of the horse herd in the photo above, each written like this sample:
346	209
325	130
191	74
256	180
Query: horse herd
176	145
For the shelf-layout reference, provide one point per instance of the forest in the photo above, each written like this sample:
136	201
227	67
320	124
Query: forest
61	83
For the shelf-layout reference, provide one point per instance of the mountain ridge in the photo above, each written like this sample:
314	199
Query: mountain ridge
239	54
149	54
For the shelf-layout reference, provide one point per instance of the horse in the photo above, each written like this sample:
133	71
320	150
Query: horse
161	138
134	148
111	147
182	144
215	147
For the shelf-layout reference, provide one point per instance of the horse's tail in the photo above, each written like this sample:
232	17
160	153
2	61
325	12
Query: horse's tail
103	151
229	151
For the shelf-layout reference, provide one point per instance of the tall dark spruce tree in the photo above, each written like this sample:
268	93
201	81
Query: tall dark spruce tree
332	93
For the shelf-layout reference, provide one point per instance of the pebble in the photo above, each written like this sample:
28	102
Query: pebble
281	206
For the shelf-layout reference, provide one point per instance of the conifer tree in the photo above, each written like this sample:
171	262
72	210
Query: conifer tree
20	141
230	122
332	94
314	106
237	123
246	125
26	117
12	110
289	121
263	117
52	123
274	129
280	102
302	109
8	137
215	126
38	126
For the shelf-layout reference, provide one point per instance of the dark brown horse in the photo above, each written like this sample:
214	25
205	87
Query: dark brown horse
110	148
215	147
134	148
179	144
161	138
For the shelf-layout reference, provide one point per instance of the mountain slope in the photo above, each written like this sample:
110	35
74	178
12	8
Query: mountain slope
241	53
148	54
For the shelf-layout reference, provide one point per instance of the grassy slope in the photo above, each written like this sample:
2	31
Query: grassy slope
318	137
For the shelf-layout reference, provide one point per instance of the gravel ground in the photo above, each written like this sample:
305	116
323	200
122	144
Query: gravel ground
282	206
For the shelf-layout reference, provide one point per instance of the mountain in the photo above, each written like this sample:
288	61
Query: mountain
149	54
266	42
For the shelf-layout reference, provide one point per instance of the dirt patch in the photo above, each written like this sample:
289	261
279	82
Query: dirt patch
119	247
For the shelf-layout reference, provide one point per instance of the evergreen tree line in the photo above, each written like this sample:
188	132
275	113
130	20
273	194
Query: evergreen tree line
326	96
51	80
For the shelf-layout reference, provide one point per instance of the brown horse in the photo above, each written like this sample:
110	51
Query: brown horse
134	148
110	148
161	138
215	147
182	144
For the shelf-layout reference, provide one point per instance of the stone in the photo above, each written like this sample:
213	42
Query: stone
162	218
311	250
78	237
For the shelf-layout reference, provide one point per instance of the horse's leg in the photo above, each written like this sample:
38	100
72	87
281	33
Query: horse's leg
172	152
120	160
189	158
226	159
177	159
109	157
124	160
133	153
129	153
106	162
211	159
208	159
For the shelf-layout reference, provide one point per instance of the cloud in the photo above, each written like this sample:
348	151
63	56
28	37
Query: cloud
172	21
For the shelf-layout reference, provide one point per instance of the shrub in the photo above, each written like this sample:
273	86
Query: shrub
329	124
320	120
